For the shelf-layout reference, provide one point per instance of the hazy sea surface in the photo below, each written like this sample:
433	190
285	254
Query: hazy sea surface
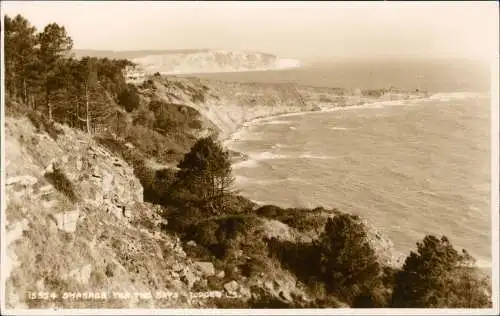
420	167
433	75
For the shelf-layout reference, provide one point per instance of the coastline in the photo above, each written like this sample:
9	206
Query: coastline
226	141
444	96
396	257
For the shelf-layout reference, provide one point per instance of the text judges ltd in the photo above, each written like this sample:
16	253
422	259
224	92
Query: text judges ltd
161	295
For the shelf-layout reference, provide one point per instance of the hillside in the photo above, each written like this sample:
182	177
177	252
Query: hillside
226	106
81	206
121	194
76	222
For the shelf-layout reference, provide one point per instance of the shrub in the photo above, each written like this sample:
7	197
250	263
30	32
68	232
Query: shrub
129	98
374	297
437	275
145	118
347	262
291	256
42	123
14	108
270	211
61	183
225	236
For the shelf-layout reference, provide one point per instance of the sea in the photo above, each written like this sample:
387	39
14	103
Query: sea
411	168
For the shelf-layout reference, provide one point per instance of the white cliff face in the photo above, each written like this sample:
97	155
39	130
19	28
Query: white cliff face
213	62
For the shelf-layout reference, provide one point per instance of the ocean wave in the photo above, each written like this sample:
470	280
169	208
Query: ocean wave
313	156
254	158
483	264
276	122
427	192
337	128
242	179
249	163
279	146
266	155
449	96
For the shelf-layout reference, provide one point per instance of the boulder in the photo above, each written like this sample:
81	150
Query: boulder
268	285
67	221
206	267
232	287
221	274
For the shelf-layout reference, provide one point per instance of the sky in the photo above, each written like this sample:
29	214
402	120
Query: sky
288	29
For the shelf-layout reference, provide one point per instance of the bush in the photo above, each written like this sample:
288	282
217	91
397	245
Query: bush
42	123
225	236
14	108
61	183
304	220
374	297
347	262
145	118
129	98
438	276
291	256
174	118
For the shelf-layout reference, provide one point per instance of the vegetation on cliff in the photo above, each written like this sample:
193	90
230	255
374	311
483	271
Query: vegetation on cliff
269	256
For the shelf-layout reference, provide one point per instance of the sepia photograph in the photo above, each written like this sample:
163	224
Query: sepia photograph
249	157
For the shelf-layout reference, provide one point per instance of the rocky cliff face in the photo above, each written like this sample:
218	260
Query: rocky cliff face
76	222
77	228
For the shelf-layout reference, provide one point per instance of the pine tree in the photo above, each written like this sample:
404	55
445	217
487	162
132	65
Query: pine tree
347	262
55	46
205	172
20	55
438	276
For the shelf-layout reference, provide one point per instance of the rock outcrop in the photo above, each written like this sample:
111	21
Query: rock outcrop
77	223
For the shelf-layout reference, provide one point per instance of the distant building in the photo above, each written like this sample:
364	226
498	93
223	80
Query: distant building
134	75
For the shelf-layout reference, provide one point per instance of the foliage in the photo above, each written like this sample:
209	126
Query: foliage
347	264
61	182
205	175
41	73
291	255
437	275
226	235
20	41
128	98
174	118
42	123
304	220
